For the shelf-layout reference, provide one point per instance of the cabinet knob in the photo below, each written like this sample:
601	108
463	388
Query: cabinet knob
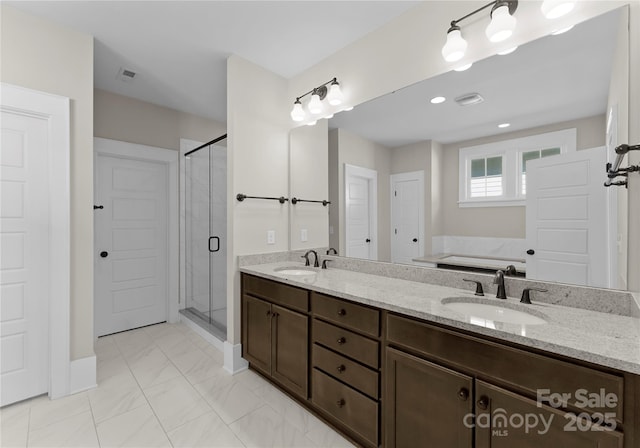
463	394
268	313
483	403
341	341
341	402
341	368
342	312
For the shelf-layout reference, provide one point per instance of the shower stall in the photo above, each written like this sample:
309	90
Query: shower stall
205	237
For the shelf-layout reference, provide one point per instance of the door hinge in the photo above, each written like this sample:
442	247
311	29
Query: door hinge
395	231
395	193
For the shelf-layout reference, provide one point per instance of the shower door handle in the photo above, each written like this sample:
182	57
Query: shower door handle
217	241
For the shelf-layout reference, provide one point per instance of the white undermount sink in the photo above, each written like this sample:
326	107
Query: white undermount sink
492	312
295	271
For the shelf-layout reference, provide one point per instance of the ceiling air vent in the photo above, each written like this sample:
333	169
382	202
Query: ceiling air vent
469	98
126	75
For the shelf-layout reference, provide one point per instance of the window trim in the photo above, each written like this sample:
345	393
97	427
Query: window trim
511	151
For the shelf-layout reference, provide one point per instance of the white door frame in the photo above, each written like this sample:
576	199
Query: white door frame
413	175
133	151
372	176
55	110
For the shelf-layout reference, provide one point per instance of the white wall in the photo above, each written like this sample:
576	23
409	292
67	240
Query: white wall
309	179
41	55
131	120
258	163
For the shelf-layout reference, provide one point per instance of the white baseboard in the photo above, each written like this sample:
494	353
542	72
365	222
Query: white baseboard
82	374
233	360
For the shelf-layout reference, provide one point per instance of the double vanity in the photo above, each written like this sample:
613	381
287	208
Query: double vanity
397	363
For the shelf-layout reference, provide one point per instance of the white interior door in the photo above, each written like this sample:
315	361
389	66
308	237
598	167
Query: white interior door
360	186
131	266
407	216
566	219
24	255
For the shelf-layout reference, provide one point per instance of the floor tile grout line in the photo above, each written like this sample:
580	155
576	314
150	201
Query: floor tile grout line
146	399
93	419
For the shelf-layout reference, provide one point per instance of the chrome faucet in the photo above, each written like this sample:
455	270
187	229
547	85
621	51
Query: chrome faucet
316	263
499	280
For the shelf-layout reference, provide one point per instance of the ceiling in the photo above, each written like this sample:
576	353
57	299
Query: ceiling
553	79
179	48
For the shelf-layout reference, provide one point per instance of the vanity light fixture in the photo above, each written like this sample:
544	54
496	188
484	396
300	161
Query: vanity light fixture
333	94
438	100
464	67
562	30
507	51
552	9
501	27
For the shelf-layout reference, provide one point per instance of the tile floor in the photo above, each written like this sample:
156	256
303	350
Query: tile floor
164	386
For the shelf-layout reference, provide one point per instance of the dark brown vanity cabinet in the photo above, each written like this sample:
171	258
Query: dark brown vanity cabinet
275	336
388	380
345	379
426	404
444	388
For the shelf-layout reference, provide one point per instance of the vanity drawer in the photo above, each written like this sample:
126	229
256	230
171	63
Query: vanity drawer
347	342
348	406
528	372
275	292
347	314
347	371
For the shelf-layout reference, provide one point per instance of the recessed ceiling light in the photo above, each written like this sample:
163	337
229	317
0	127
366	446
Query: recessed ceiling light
562	30
463	67
504	125
438	100
508	51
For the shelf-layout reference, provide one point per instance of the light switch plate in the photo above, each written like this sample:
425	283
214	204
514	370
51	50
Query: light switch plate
304	235
271	237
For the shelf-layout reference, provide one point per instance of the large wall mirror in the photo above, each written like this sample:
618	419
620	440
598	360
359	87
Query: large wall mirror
429	184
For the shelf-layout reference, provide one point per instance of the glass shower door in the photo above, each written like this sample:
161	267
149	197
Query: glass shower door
205	237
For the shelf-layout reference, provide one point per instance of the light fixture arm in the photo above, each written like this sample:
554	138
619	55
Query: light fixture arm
513	5
321	90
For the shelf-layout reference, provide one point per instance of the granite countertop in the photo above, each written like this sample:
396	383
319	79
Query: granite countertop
605	339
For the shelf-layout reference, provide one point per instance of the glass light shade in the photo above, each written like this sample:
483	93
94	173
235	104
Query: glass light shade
507	51
315	105
335	96
552	9
463	67
312	123
502	24
455	46
562	30
297	113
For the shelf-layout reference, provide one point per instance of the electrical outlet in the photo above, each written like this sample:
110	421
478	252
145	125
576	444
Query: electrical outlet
271	237
303	235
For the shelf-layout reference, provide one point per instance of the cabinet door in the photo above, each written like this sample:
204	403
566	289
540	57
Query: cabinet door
507	420
256	332
426	404
290	349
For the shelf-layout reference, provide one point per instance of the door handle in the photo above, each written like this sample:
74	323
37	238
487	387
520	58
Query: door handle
415	240
104	254
367	240
531	252
218	245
